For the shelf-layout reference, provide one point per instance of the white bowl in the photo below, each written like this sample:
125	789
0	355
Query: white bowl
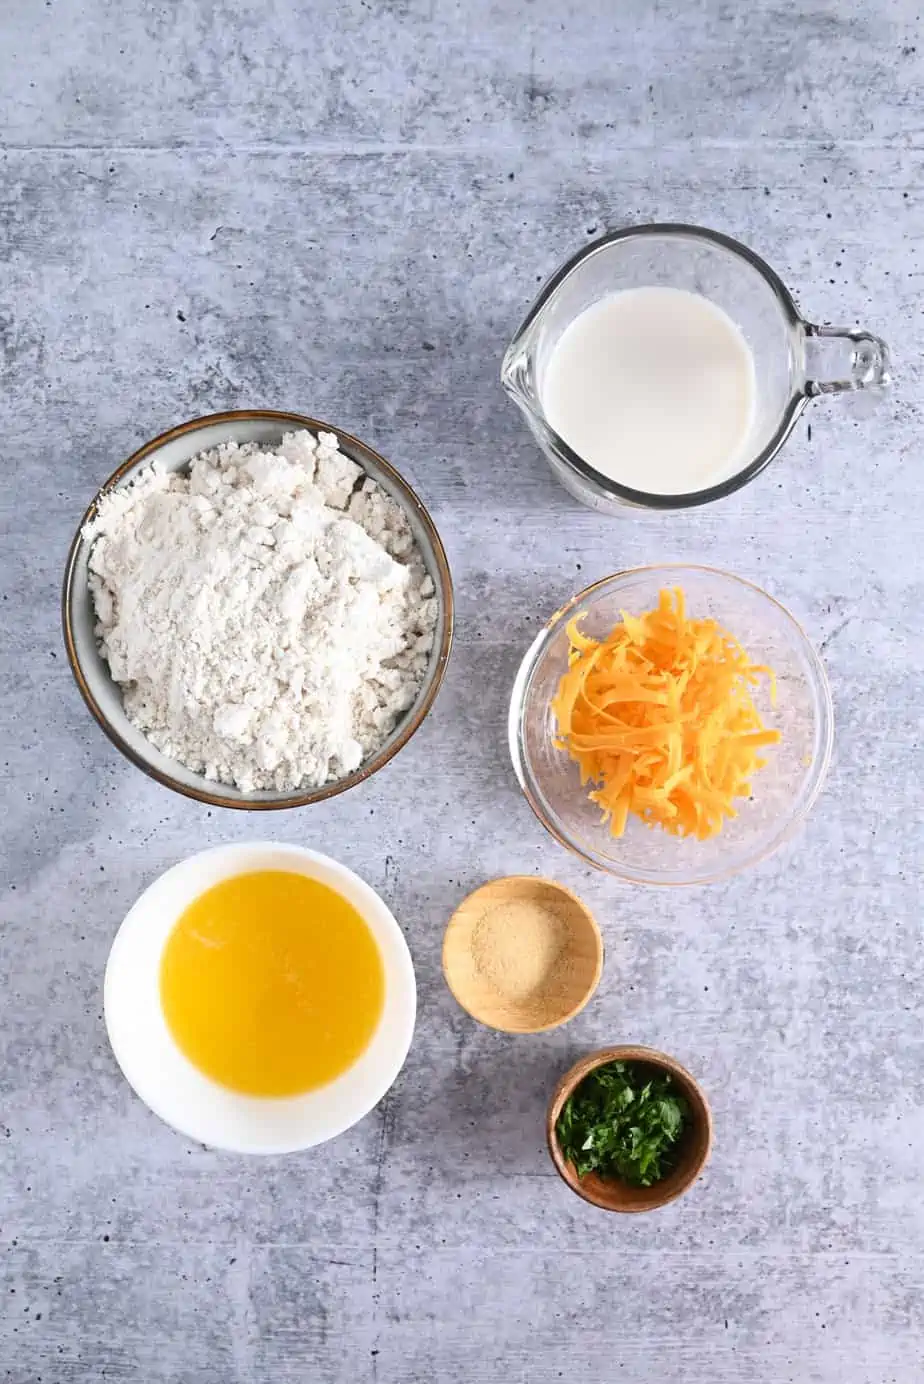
177	1091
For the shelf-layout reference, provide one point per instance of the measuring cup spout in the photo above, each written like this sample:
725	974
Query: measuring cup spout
841	359
516	375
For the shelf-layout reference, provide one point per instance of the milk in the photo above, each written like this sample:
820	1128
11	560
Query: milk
654	388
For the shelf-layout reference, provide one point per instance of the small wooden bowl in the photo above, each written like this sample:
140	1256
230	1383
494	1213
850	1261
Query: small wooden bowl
582	958
610	1193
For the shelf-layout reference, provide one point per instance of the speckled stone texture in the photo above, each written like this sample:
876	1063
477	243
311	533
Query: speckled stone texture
344	209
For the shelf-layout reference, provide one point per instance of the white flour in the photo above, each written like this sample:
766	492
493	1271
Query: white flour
267	621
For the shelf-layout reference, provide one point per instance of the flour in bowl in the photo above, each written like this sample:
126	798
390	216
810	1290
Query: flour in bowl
267	615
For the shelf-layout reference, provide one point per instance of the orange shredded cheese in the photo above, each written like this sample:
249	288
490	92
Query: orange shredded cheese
659	717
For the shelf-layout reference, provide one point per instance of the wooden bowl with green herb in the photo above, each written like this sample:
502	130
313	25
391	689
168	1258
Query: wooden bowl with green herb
629	1129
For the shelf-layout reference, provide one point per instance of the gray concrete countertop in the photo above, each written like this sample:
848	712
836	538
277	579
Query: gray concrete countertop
344	208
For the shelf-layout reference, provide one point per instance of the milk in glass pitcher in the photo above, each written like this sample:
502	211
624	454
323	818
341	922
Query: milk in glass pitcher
664	366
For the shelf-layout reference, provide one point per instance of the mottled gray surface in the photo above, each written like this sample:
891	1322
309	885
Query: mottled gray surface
344	209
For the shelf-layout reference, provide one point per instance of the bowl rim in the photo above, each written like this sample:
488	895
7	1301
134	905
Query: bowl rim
298	798
581	909
191	876
819	768
627	1052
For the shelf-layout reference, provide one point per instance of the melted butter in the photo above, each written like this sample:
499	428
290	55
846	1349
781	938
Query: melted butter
271	983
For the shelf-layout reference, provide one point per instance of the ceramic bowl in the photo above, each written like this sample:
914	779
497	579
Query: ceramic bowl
783	793
178	1092
611	1194
172	451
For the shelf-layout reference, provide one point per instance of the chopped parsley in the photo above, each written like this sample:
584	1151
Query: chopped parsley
624	1120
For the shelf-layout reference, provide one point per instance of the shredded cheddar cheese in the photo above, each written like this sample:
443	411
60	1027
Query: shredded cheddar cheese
659	717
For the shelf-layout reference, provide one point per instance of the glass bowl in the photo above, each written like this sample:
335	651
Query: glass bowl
173	451
783	792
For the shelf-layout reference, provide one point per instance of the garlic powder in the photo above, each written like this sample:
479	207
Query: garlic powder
267	615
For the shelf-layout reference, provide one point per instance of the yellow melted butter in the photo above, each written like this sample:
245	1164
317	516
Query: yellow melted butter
271	983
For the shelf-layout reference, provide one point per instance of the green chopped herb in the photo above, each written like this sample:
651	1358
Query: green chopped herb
624	1120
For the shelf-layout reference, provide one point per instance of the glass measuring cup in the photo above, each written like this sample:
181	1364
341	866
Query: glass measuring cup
794	360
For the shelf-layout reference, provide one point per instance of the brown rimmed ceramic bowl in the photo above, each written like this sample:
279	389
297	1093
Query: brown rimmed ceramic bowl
611	1194
173	451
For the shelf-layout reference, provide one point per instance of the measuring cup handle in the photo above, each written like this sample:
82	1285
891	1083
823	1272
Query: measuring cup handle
841	359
